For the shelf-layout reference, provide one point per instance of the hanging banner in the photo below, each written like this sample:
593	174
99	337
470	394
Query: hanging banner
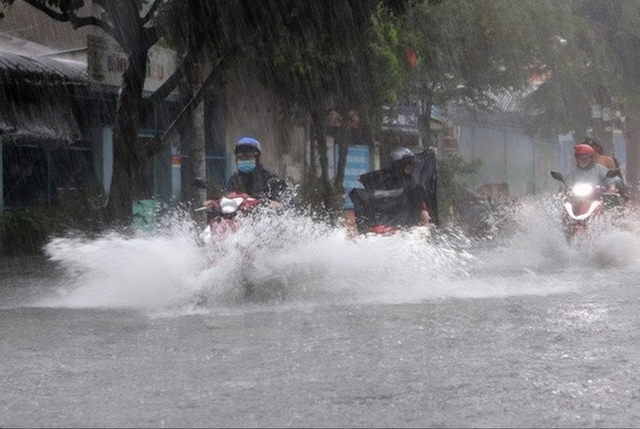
403	118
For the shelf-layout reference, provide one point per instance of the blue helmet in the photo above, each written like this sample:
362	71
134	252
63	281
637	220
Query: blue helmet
248	145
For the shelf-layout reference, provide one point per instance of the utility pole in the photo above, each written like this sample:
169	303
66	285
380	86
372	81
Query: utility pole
602	121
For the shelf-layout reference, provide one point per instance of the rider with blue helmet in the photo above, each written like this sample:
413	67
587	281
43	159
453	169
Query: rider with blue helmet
252	177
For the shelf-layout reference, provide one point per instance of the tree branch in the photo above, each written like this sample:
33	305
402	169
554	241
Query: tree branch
152	10
76	21
159	140
50	12
83	21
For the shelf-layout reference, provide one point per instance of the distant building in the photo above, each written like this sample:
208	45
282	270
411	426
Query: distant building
514	163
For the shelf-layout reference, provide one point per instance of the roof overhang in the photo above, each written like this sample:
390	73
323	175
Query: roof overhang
49	122
35	100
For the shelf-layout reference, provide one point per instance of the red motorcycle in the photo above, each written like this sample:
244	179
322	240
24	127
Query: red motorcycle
223	214
583	203
226	215
225	210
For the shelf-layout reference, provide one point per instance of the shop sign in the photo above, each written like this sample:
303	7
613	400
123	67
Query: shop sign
107	62
404	118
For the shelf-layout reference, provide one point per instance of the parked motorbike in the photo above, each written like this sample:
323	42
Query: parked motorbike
583	203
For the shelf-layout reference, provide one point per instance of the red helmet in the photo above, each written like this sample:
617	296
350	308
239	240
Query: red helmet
583	149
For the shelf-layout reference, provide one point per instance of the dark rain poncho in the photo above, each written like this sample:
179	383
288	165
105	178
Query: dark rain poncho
396	200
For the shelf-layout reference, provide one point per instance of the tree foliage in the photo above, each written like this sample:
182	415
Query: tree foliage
311	53
470	50
351	56
320	56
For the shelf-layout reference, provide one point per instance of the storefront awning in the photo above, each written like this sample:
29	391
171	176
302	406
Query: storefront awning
35	100
49	122
39	70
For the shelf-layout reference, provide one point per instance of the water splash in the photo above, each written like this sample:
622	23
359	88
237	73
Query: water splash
145	271
537	240
293	259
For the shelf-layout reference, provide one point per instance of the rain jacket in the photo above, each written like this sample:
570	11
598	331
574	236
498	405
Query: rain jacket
424	174
394	199
397	201
256	183
391	208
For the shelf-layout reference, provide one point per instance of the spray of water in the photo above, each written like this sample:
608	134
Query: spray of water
538	254
143	271
290	258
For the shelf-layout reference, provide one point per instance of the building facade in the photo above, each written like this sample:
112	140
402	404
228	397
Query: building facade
60	97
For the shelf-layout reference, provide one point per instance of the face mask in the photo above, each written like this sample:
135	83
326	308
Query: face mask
246	166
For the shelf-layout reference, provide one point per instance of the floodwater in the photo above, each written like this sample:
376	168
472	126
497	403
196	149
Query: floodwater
521	330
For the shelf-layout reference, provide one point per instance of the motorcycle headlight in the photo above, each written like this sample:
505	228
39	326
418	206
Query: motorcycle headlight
582	190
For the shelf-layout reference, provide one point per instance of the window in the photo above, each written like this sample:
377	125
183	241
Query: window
33	175
25	176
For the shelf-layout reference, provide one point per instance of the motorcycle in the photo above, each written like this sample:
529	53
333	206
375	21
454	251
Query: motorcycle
223	214
225	210
226	215
383	212
583	203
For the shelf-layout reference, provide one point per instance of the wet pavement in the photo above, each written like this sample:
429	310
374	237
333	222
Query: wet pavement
542	335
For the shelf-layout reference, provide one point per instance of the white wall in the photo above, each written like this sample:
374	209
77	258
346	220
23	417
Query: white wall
1	180
507	157
523	163
253	111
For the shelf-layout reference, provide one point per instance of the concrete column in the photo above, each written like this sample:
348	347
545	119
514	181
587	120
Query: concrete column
107	158
1	180
176	174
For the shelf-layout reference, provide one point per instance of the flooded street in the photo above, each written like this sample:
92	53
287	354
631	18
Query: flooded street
522	332
192	182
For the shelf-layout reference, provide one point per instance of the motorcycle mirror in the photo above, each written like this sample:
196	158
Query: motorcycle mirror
614	172
557	176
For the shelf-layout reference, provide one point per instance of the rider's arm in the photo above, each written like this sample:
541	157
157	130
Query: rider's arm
425	219
612	183
569	181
